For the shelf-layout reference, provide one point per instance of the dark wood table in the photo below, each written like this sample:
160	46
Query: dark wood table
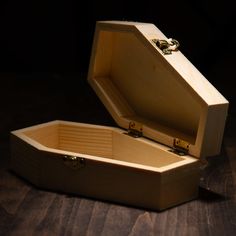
26	210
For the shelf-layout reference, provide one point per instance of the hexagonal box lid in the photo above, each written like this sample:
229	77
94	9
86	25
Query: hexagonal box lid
161	95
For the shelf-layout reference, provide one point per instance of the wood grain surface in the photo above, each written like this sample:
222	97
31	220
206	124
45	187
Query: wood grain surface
26	210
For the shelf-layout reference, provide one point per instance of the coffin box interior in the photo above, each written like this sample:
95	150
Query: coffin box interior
111	165
89	141
164	97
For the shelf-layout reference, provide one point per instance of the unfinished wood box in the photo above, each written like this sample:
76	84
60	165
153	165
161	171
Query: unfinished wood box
170	116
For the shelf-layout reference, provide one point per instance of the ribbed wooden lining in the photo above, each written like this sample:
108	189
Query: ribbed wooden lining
86	140
47	136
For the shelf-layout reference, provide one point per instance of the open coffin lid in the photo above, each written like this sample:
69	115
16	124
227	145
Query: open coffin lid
164	97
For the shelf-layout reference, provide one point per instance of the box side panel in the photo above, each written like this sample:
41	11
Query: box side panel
104	181
214	130
122	184
179	185
25	160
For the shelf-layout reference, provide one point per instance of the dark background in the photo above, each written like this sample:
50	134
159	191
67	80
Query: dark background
44	55
56	36
45	50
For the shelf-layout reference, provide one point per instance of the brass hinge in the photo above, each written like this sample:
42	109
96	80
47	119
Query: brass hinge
180	147
167	46
74	162
135	129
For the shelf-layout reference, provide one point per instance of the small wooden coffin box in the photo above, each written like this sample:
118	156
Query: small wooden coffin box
170	117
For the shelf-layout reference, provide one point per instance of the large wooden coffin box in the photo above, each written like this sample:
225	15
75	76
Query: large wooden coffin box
170	118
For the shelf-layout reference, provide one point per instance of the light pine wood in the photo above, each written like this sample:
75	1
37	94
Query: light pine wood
27	210
100	141
45	135
128	149
170	97
142	169
91	141
166	95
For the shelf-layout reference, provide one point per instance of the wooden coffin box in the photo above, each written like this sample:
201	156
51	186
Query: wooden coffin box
170	116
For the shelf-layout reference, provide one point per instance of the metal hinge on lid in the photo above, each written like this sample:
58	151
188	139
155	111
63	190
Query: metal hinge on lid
180	147
135	129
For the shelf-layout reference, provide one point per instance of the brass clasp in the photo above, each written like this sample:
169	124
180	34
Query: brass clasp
74	162
167	46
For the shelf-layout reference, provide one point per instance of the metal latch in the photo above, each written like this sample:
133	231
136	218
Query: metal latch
135	129
180	147
167	46
74	162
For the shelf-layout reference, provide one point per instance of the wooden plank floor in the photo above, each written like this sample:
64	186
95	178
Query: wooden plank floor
26	210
